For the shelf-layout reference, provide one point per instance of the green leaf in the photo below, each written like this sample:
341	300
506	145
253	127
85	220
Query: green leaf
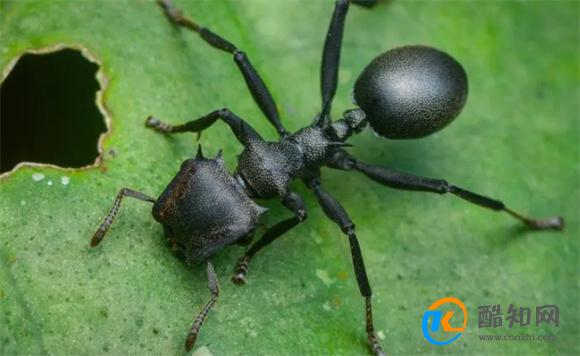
517	139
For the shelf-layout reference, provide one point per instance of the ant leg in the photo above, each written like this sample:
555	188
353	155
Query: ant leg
258	89
331	58
331	55
244	132
214	288
291	201
106	224
406	181
334	210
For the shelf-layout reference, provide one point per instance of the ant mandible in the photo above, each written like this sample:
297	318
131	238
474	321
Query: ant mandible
407	92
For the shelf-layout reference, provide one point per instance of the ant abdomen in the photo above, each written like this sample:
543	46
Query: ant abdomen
411	91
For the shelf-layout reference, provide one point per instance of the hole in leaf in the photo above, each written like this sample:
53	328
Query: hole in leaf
48	111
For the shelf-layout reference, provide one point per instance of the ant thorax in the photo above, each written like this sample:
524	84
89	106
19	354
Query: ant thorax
268	168
315	145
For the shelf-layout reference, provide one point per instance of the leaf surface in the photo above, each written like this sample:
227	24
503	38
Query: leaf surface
517	139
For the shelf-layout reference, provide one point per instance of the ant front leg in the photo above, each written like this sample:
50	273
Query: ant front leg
334	210
108	221
406	181
293	202
214	289
243	131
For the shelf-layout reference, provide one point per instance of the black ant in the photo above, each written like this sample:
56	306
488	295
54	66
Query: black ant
407	92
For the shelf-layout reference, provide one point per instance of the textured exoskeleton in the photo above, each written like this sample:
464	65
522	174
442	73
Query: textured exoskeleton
204	209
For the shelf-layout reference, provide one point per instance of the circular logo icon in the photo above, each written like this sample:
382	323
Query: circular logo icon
434	320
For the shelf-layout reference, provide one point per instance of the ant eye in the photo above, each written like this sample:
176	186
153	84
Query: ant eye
411	91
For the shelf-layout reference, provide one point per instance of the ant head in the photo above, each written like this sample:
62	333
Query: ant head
411	91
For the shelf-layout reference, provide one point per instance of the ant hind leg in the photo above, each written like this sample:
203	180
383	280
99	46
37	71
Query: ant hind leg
334	210
405	181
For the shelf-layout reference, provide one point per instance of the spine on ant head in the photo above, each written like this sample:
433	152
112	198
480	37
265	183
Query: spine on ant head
353	121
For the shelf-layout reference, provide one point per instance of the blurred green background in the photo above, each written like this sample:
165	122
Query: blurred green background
517	139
